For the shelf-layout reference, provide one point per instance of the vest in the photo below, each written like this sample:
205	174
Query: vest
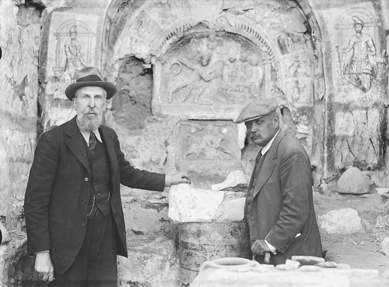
100	196
254	178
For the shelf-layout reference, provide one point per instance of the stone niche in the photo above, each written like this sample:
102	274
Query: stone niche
207	149
209	75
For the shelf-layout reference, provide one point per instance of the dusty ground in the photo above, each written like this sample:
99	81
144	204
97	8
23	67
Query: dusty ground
360	250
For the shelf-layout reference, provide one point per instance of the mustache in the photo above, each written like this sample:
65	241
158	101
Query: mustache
90	111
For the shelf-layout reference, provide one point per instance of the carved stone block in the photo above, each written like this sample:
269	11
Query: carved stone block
209	75
207	145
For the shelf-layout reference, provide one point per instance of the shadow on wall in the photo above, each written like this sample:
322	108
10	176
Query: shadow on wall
132	104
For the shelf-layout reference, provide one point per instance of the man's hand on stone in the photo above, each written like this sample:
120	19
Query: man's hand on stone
179	177
259	247
44	266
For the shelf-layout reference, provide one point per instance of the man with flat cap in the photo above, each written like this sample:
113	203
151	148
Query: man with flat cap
279	209
73	210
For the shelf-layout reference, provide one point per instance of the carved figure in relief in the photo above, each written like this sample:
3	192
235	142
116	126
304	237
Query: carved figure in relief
297	90
209	146
73	54
361	66
198	87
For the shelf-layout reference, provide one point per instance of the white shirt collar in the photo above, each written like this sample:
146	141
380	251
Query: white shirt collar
267	147
86	134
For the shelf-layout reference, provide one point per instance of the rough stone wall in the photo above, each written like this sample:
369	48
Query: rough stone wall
20	38
19	41
335	105
355	66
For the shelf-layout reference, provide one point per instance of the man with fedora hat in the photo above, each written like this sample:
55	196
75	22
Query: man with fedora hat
73	210
279	209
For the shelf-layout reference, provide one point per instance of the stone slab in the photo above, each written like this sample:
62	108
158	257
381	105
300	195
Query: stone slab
152	263
190	204
341	221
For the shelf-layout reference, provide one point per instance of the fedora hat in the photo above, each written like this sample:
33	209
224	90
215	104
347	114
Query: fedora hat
89	76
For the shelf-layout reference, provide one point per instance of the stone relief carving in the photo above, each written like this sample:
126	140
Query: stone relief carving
360	66
213	69
73	49
205	144
359	55
162	10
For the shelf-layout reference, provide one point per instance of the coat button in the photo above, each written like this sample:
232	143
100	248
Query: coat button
83	201
82	225
86	179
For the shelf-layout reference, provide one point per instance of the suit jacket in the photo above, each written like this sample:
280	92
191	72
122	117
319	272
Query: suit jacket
282	204
58	192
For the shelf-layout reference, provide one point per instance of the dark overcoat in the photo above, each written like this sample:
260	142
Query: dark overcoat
59	188
282	204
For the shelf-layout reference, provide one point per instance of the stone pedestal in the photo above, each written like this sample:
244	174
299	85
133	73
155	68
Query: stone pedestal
210	226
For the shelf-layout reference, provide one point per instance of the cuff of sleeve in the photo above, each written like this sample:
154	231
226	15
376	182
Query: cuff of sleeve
168	180
271	247
44	251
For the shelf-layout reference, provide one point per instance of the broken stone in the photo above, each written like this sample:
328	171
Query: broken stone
232	180
384	192
310	268
189	204
308	260
151	263
233	210
385	246
327	264
353	181
342	221
147	215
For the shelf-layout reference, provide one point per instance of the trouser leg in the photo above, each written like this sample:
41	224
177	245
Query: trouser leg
95	264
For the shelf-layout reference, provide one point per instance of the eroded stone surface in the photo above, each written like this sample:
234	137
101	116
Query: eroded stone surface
188	204
353	181
149	263
385	246
232	180
342	221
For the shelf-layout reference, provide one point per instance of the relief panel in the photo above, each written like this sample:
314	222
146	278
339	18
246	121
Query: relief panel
209	74
207	145
361	67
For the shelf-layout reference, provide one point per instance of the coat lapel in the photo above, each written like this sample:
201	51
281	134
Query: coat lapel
76	143
269	164
113	161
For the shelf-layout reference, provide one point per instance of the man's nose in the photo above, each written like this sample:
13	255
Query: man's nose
254	128
92	103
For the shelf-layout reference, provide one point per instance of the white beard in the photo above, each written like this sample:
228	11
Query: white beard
90	124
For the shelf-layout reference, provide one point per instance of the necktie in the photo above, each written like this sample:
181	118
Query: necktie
92	141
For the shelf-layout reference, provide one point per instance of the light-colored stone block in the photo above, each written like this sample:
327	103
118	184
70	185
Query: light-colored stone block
233	179
233	210
385	246
342	221
189	204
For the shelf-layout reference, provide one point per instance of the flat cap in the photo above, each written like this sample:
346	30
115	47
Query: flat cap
256	110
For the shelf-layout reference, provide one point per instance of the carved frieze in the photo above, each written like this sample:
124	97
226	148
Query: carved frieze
209	72
207	145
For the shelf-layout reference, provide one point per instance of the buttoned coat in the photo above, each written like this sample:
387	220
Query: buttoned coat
282	203
59	187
